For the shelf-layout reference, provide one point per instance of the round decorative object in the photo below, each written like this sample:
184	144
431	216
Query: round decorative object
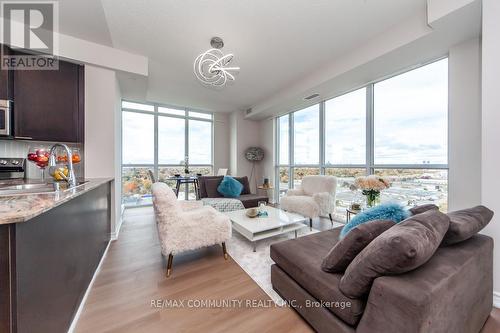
252	212
254	154
217	43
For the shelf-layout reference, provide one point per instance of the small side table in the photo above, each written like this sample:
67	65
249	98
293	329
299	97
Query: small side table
350	212
268	190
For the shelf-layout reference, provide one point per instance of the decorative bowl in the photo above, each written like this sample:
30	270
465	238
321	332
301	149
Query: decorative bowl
252	212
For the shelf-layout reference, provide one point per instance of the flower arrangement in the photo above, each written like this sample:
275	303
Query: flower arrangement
185	162
371	187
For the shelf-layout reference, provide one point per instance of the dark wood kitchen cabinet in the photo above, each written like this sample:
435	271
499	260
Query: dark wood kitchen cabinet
49	104
6	91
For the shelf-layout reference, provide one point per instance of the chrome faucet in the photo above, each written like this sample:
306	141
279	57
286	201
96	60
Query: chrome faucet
71	179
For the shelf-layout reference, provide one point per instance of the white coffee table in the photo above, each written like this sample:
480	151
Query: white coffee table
277	223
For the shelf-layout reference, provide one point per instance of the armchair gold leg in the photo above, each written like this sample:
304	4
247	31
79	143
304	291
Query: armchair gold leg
224	250
169	264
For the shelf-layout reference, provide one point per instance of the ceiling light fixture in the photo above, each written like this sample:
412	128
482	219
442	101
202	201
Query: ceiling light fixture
211	67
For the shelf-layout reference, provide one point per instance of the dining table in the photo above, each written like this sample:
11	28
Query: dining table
185	180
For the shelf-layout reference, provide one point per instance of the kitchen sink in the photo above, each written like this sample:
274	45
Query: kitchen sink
34	188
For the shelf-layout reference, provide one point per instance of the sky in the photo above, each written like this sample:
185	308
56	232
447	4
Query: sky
138	140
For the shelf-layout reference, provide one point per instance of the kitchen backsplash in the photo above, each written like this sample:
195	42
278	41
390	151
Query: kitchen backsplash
12	148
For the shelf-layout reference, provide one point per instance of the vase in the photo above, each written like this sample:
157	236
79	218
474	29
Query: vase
372	197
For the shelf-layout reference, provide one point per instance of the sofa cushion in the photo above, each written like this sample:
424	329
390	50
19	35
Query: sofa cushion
466	223
342	253
246	185
252	200
400	249
422	209
387	211
301	259
230	187
301	204
202	182
211	186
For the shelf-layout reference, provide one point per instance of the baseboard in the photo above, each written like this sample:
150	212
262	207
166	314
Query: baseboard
114	235
496	299
87	292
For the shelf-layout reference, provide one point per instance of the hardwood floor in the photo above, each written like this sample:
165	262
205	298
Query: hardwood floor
133	276
492	325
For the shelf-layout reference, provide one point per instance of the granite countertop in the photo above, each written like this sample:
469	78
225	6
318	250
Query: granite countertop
22	207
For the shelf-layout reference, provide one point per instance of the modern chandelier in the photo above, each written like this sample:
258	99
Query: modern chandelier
212	67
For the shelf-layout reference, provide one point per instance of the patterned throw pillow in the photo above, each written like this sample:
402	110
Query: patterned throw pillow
230	187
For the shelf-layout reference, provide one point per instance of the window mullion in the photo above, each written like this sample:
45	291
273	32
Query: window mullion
322	138
291	144
156	147
186	152
370	146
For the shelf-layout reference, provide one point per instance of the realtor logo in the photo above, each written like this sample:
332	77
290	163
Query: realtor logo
30	27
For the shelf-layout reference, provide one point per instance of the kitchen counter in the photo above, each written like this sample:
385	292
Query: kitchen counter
23	207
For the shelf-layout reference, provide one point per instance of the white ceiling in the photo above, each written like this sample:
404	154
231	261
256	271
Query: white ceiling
275	42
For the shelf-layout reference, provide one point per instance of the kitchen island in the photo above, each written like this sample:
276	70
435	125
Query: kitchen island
50	247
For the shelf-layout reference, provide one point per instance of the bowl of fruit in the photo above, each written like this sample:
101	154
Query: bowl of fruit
40	157
75	156
59	173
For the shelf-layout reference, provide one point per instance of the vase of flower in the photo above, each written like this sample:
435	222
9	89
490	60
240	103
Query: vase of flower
372	197
186	165
370	187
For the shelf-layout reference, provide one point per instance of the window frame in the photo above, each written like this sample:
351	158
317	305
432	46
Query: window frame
156	114
369	165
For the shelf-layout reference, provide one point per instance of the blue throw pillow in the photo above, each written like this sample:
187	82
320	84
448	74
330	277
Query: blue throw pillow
387	211
230	187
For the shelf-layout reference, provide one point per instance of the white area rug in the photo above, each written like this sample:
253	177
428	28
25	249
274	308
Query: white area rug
258	264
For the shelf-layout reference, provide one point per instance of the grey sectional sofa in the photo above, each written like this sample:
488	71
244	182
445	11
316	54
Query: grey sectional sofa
452	292
208	189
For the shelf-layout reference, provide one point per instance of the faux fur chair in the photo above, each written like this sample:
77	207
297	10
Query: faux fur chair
186	225
315	197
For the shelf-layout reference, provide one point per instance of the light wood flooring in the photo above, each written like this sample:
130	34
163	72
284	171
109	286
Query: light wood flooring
133	275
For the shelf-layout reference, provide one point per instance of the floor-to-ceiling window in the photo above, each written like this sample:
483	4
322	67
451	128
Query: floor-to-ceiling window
158	138
397	128
411	134
345	142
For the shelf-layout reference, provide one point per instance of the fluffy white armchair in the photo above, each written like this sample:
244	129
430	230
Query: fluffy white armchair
186	225
315	197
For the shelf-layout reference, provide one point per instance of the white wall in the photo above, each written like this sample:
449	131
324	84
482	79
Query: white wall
118	161
102	133
244	134
221	141
490	180
267	142
233	143
464	182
